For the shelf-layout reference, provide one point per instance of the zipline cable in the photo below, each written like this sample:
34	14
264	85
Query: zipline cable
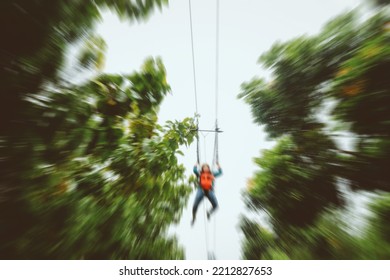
197	115
194	78
216	154
217	61
193	59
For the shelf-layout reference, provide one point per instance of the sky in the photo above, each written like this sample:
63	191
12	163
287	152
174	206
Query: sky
248	28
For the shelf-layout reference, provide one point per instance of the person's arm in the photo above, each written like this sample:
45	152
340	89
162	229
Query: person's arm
196	169
218	172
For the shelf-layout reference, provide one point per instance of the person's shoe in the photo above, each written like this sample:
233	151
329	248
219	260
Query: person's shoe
208	215
193	221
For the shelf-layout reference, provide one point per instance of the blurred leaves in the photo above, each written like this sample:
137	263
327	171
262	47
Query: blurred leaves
86	170
101	179
291	182
36	36
92	54
298	182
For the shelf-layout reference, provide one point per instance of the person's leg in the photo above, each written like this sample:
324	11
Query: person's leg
198	198
213	199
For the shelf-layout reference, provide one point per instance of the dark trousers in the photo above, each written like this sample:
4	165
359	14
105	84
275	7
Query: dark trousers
200	194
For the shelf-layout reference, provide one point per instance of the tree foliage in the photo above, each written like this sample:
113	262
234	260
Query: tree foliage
97	177
87	172
36	36
291	182
298	181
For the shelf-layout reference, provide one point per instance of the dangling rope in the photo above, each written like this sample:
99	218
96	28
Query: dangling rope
211	255
216	151
206	231
197	142
216	154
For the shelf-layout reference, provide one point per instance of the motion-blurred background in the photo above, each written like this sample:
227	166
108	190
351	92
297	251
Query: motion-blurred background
95	165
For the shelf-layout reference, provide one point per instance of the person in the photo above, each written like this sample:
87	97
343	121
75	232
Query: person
205	187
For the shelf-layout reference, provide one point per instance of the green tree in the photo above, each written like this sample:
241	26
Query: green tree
86	170
100	178
35	37
297	182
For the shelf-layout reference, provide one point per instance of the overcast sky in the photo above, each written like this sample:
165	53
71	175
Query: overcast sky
247	29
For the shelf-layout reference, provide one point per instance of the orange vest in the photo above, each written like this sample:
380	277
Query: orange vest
206	180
